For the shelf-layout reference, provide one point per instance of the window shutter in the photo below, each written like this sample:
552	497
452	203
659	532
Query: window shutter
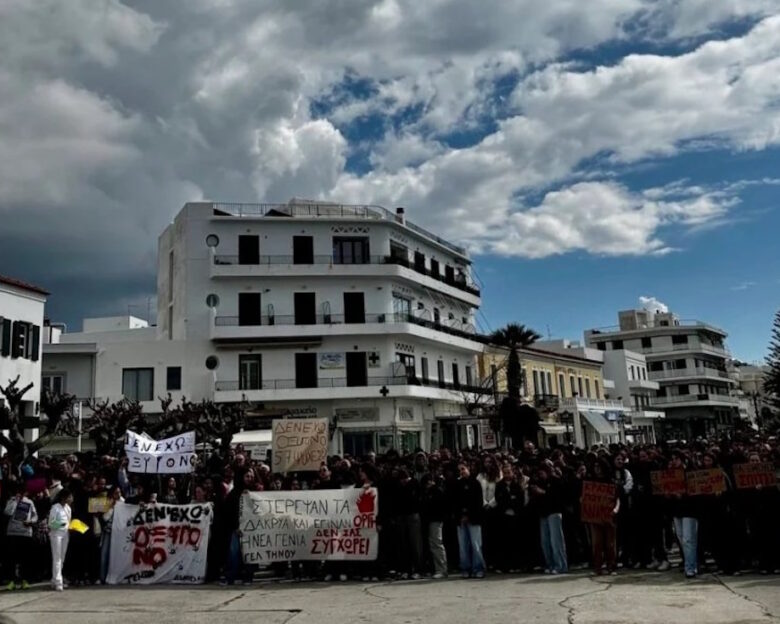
16	339
35	343
5	337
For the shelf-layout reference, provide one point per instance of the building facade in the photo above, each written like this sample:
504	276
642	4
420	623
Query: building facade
21	323
348	313
688	360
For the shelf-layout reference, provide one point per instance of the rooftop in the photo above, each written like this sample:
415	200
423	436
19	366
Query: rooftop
312	209
10	281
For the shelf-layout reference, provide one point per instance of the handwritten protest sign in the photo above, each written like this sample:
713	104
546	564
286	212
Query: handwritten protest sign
175	455
98	504
704	482
748	476
668	482
319	525
159	544
598	502
299	444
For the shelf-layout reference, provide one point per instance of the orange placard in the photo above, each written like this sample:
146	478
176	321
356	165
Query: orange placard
668	482
703	482
597	502
748	476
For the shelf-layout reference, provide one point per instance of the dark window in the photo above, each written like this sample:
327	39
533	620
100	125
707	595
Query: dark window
19	338
357	372
683	389
5	336
402	307
601	346
54	383
250	372
455	375
680	339
33	342
358	444
679	364
248	249
305	309
249	309
305	370
617	344
303	250
449	274
436	316
469	377
173	378
354	307
408	361
138	383
440	371
587	387
656	366
494	377
598	390
572	386
435	268
562	386
424	369
350	250
399	252
647	343
419	262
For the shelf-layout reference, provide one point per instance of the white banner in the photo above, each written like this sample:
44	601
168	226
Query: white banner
299	444
159	544
332	525
175	455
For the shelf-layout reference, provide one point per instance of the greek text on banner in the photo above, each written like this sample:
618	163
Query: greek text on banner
182	443
299	444
159	544
319	525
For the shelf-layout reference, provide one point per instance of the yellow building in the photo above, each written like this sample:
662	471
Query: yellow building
568	391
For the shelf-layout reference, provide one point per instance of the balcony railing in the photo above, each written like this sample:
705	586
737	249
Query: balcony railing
546	401
699	371
341	382
582	402
693	398
448	326
688	346
458	280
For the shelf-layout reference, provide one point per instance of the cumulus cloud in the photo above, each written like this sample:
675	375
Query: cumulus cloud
651	304
111	119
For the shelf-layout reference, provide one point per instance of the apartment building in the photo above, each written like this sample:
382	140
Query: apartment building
351	313
687	359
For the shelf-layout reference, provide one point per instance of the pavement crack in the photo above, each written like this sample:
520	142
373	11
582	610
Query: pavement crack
225	603
570	610
369	590
764	609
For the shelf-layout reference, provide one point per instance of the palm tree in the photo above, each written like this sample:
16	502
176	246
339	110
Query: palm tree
513	337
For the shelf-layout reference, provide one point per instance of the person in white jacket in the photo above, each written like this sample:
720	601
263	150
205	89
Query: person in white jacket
22	517
59	523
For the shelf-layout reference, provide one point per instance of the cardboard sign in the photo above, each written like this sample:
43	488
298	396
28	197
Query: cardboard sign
299	444
706	482
598	501
323	525
668	482
748	476
98	504
159	544
175	455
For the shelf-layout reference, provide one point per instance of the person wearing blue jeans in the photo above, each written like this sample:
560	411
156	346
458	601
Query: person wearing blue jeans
468	507
553	543
687	531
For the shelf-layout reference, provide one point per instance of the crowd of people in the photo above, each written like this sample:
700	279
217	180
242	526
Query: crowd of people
470	512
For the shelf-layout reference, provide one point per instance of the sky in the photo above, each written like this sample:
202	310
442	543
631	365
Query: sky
587	153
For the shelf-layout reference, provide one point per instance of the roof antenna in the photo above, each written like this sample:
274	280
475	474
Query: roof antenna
549	335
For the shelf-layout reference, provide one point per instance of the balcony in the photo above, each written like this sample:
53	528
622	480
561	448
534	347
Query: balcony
579	403
229	265
703	400
691	372
277	326
549	402
693	347
644	413
643	384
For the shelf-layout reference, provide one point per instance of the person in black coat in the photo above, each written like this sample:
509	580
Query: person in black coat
433	507
467	506
510	503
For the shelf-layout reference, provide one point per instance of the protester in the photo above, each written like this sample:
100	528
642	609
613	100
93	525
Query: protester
59	525
22	516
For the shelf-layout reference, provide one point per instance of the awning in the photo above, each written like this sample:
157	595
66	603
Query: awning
554	429
599	423
259	436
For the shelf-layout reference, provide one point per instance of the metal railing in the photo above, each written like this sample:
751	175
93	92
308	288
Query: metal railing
693	398
447	326
328	211
579	402
688	346
341	382
456	280
699	371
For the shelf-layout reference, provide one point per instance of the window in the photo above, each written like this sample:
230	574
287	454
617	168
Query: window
303	250
435	268
469	377
350	250
656	366
494	377
617	344
408	361
173	378
250	372
561	385
679	364
419	262
424	368
249	309
402	307
679	340
683	389
306	370
449	274
440	372
54	383
647	343
644	374
436	316
601	346
248	249
587	387
537	387
5	336
549	389
138	384
305	308
631	372
399	253
598	390
20	335
579	385
572	387
455	375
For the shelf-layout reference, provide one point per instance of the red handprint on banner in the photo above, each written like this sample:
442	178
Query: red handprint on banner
366	502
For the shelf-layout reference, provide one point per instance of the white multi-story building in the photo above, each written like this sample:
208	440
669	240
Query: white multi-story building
21	320
302	309
750	390
687	359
